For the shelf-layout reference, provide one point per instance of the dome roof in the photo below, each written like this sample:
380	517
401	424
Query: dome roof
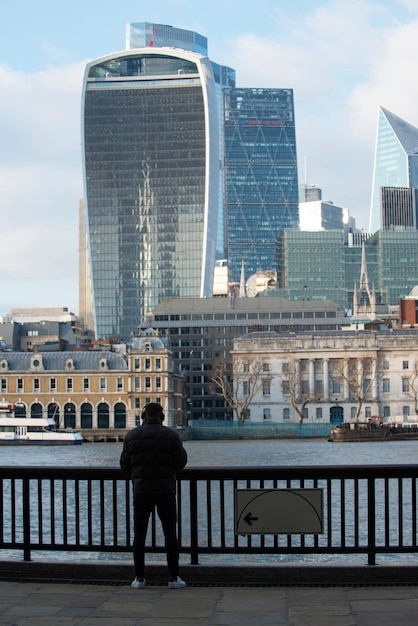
148	338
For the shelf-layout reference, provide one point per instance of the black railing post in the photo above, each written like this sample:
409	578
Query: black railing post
26	518
371	520
194	525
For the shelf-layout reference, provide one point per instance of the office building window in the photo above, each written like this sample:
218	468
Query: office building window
102	384
36	384
386	385
119	384
19	384
52	384
4	384
69	384
286	414
86	384
147	364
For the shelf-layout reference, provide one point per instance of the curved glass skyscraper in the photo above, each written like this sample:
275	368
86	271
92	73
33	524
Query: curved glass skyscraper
151	172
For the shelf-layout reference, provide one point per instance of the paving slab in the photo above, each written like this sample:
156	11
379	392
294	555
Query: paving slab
52	604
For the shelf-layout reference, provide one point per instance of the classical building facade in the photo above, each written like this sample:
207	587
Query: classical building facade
330	370
97	389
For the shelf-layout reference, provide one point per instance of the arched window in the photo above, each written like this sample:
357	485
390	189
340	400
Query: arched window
20	410
69	415
103	415
120	415
86	415
36	410
53	412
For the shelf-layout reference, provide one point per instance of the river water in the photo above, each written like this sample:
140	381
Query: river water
278	452
226	453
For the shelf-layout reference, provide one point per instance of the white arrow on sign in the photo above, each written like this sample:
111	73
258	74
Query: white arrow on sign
278	511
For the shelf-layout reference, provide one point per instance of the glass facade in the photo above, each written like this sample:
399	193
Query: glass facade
312	267
143	34
151	182
396	161
321	265
260	175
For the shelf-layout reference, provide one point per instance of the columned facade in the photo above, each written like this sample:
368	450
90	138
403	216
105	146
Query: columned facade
364	373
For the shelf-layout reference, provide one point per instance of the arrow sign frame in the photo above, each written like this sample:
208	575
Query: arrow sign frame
279	511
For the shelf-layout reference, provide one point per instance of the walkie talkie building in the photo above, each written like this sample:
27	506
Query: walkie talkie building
151	173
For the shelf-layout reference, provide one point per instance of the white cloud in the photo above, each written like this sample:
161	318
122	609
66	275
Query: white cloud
40	179
392	82
343	59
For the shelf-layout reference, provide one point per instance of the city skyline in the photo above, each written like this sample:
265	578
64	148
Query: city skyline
341	58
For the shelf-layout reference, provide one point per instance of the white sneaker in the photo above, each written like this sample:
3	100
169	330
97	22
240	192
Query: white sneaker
176	583
138	583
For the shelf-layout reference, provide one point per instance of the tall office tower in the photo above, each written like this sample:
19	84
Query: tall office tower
395	166
151	168
143	34
261	179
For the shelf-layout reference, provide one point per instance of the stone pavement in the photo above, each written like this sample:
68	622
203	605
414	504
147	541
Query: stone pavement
65	604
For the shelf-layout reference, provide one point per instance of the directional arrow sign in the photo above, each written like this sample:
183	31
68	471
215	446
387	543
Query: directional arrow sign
278	511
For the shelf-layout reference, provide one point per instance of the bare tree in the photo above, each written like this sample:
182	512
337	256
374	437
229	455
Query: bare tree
359	374
294	387
239	382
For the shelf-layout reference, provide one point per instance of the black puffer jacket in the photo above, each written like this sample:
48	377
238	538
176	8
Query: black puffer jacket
151	455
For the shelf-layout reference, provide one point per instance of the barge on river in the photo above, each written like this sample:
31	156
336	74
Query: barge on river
376	429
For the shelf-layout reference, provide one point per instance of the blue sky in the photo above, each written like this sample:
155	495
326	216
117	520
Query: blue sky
343	58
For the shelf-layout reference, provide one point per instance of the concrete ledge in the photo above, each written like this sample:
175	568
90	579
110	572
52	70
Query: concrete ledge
204	575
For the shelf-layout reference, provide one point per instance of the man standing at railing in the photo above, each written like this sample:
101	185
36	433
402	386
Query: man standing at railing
151	455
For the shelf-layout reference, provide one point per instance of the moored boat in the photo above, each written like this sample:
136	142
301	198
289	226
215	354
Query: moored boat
32	430
376	429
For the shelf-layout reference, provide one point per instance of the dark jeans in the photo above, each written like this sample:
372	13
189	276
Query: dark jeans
167	512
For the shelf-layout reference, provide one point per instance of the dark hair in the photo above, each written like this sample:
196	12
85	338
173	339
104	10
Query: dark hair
153	409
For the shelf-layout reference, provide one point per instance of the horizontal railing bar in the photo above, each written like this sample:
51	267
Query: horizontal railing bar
248	472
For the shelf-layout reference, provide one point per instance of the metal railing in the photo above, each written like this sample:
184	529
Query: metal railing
368	510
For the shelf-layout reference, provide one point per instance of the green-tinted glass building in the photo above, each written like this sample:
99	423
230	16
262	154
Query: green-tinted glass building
150	133
326	265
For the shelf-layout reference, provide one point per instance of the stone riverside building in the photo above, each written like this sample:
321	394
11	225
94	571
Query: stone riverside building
322	364
97	389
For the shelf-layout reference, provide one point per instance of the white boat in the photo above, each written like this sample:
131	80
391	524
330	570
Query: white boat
32	430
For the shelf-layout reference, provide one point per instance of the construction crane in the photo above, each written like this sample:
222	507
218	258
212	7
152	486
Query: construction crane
154	34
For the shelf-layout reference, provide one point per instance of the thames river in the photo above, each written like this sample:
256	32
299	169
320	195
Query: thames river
226	453
279	452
